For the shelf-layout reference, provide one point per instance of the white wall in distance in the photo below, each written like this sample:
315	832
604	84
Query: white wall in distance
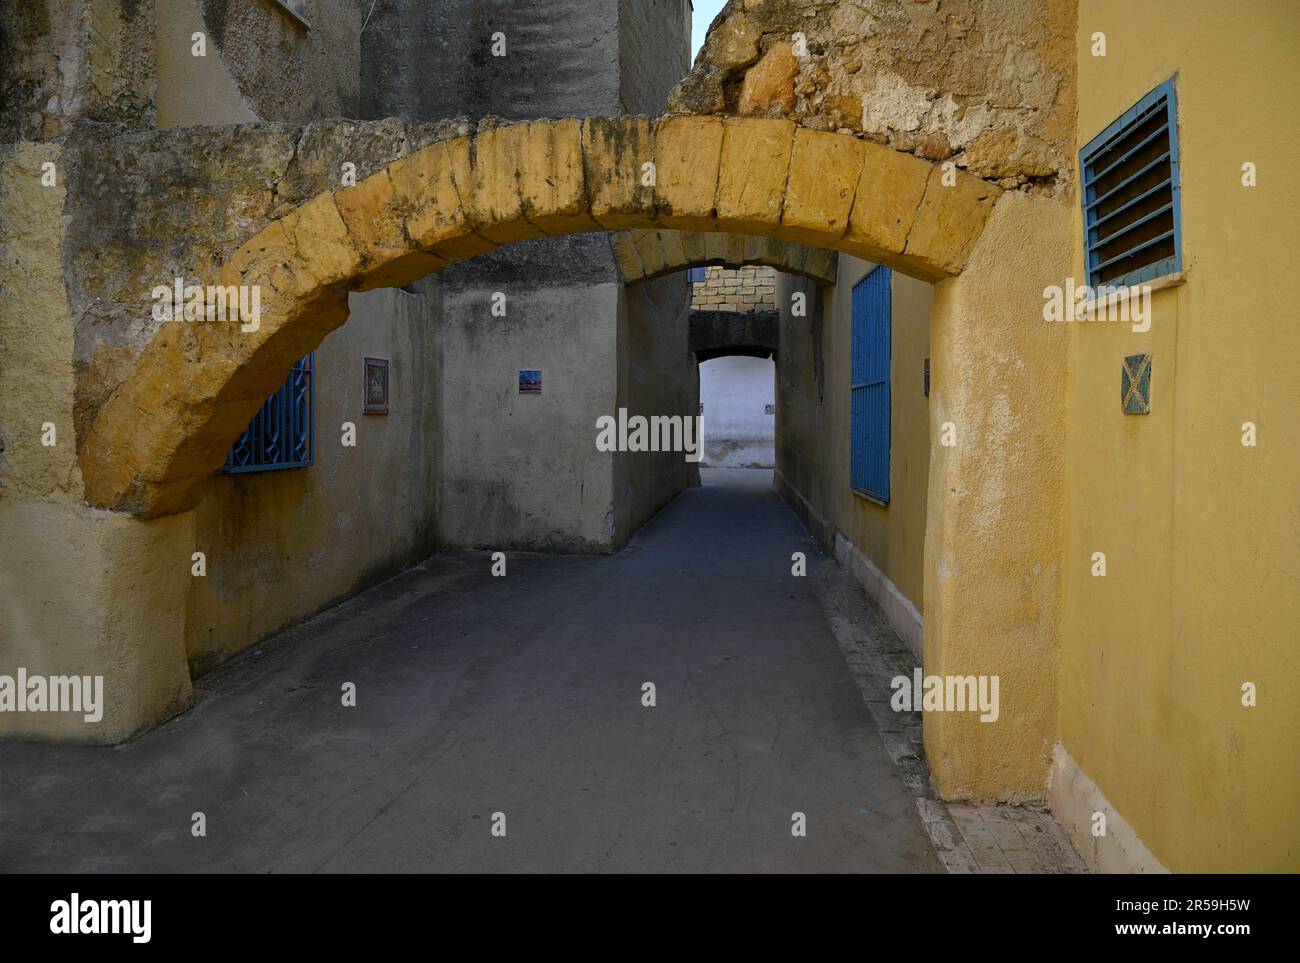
738	433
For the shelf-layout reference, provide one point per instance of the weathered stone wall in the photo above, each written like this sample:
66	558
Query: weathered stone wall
735	289
63	60
286	70
218	184
985	83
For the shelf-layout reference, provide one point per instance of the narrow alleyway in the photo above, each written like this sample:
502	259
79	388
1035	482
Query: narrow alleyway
519	695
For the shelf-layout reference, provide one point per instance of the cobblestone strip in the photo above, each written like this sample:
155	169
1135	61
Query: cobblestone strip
969	838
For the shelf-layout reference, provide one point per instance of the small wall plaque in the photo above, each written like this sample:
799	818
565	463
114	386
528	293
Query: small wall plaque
375	390
1135	385
530	381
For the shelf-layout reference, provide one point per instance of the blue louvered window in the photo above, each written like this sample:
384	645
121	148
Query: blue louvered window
280	435
869	386
1131	194
695	275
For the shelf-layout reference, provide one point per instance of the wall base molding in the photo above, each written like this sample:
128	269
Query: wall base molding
1075	798
898	608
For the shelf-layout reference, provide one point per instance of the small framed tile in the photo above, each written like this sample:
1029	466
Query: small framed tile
1135	385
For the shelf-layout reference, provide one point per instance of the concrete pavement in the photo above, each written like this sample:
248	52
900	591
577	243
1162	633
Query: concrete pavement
521	696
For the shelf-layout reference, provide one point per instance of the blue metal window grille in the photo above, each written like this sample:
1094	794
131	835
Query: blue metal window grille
1131	185
869	386
280	435
695	275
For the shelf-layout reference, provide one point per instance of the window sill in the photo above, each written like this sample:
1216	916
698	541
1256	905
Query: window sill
870	498
1085	309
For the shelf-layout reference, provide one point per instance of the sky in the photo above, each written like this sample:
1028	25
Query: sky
705	11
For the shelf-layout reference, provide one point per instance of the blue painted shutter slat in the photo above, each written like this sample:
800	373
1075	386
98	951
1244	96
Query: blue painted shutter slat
869	388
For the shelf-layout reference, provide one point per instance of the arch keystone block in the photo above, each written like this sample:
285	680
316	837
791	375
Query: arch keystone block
614	150
752	174
438	222
884	205
824	174
688	152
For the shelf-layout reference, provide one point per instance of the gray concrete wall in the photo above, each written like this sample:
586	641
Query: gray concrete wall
739	432
657	376
654	40
431	60
522	470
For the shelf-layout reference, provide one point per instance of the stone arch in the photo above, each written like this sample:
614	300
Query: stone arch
153	444
642	255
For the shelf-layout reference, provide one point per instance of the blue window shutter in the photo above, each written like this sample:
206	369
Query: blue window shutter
869	385
281	434
1131	194
696	275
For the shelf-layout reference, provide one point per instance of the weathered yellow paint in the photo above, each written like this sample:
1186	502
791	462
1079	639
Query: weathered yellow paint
994	515
1202	591
891	536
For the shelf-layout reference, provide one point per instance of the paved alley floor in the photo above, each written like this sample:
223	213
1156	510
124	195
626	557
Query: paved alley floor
519	696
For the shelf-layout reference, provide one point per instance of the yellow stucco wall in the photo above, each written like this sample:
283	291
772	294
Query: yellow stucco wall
892	536
994	517
1201	534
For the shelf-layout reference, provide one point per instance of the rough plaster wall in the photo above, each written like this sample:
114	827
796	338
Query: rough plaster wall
424	60
738	431
194	91
654	52
283	544
994	539
64	60
36	333
286	71
987	84
658	377
800	381
522	470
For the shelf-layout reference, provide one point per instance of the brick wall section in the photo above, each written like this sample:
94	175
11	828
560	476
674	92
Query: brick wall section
735	289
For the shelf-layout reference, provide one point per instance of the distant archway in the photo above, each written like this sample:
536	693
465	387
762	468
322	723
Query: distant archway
642	255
